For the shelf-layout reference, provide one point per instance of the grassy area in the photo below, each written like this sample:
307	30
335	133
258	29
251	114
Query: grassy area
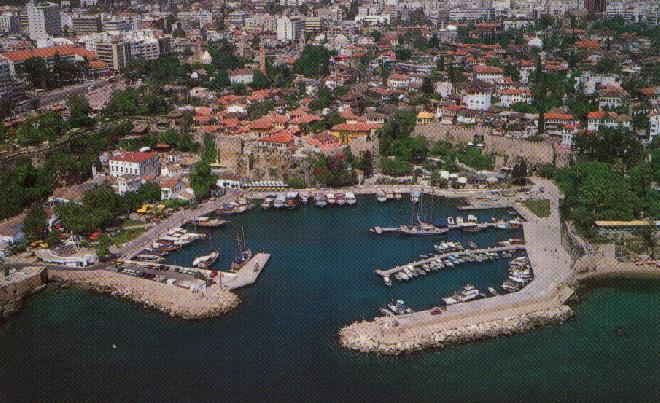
122	237
540	207
128	222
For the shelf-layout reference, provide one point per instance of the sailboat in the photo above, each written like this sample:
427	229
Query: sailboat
242	255
418	227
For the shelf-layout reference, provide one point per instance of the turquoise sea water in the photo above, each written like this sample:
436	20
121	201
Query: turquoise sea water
279	344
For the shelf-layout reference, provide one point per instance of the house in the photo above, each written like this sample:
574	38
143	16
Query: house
610	97
591	83
126	183
478	99
596	120
169	188
512	96
346	132
568	133
654	124
398	81
11	230
424	118
241	76
489	74
134	163
650	95
206	58
556	121
282	141
325	142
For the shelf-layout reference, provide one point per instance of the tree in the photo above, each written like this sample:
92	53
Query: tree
259	80
149	193
539	92
295	183
79	111
396	167
202	179
608	145
519	173
314	61
35	225
438	181
427	86
36	71
259	109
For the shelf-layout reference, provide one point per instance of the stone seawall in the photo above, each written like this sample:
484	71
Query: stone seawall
174	301
18	286
353	338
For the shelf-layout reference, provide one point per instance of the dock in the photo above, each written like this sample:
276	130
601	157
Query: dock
391	230
485	207
247	274
394	270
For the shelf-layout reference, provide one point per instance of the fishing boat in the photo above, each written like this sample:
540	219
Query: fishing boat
398	307
304	198
330	198
206	260
319	200
268	202
459	220
381	196
209	222
422	229
389	195
492	291
280	201
340	199
291	200
397	195
350	198
450	221
242	254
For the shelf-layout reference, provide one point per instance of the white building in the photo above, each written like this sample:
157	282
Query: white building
9	23
512	96
43	20
654	125
596	120
241	76
477	99
132	163
289	29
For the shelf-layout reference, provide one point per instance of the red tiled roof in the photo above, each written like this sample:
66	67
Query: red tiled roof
281	137
63	50
487	70
356	127
132	157
558	116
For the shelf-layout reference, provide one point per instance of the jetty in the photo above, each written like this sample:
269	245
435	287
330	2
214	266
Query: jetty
247	274
482	226
394	270
485	207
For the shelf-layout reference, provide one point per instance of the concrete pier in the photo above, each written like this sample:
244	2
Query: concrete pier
247	274
485	207
394	270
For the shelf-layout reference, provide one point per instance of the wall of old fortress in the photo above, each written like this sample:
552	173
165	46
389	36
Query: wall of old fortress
507	148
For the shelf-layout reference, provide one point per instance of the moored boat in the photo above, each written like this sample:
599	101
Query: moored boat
291	200
330	198
381	196
340	199
320	200
350	198
280	201
206	260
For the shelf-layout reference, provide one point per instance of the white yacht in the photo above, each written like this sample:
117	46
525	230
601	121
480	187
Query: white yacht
350	198
280	201
330	198
381	196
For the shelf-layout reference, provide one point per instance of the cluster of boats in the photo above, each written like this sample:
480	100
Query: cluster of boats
238	206
397	307
472	224
440	262
291	200
466	294
520	274
174	240
383	196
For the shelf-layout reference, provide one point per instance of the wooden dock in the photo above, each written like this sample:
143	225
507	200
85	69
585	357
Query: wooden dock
247	274
394	270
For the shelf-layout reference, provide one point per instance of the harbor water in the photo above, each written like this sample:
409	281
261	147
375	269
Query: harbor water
280	343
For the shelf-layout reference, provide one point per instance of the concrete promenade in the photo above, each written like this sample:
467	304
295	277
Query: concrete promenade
247	274
552	269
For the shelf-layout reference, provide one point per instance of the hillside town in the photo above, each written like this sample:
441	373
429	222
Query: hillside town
116	114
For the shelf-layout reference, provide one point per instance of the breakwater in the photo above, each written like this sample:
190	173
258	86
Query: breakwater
170	299
354	338
18	285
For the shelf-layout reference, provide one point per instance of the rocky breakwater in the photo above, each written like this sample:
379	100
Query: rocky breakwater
173	300
16	285
381	336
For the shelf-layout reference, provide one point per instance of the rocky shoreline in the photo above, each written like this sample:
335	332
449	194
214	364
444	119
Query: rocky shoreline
20	286
352	337
172	300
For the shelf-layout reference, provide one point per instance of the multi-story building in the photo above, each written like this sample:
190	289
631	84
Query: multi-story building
289	28
117	54
134	163
654	125
9	23
237	18
86	24
313	25
261	22
477	99
9	87
43	20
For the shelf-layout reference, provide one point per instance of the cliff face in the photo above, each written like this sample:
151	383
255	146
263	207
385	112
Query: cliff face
17	286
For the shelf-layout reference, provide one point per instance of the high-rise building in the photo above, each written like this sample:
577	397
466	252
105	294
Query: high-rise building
116	54
9	23
43	20
289	28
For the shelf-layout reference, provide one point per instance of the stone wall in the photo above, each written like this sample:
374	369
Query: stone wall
508	148
18	286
